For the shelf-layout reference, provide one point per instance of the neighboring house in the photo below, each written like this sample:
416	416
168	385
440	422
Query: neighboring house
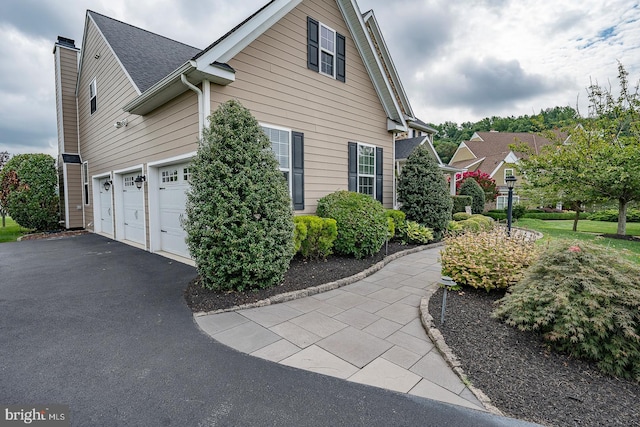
132	104
490	153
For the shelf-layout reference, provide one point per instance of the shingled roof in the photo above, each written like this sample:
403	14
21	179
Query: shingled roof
146	56
404	147
491	148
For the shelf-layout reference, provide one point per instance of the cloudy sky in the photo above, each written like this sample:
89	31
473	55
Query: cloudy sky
459	60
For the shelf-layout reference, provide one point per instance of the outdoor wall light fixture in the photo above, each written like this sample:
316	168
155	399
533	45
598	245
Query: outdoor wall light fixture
121	123
511	182
107	185
140	179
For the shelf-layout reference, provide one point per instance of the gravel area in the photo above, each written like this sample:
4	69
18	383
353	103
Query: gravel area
301	275
522	377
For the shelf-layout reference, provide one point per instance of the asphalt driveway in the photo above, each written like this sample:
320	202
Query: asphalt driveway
102	327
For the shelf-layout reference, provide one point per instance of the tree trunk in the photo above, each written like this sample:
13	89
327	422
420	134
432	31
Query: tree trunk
576	207
4	224
622	217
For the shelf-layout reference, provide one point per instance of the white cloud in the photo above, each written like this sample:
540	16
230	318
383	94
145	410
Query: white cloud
458	60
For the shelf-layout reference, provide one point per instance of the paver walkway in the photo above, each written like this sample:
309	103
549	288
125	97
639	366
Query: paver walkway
367	332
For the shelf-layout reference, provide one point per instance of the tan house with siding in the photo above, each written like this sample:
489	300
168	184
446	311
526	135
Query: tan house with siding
314	73
491	153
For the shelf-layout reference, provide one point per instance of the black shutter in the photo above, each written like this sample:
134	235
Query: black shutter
313	44
353	166
341	65
379	174
297	167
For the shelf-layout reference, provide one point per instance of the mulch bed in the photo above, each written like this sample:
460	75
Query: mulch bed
301	275
525	379
625	237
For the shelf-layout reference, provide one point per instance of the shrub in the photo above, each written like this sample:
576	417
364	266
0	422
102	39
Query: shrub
470	225
486	223
611	215
454	227
239	221
28	191
399	222
460	202
488	259
517	211
470	187
584	302
548	216
299	234
497	215
362	224
320	236
417	233
424	192
461	216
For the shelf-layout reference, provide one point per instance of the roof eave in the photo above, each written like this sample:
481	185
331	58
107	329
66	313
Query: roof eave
353	18
171	86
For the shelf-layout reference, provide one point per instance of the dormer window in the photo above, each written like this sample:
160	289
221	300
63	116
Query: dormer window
93	96
326	50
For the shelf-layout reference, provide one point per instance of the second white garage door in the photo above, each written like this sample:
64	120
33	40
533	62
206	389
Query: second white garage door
132	203
174	183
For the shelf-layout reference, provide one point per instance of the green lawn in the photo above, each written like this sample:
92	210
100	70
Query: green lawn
11	232
587	231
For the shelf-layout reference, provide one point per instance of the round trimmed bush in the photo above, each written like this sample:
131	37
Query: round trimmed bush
585	302
361	220
424	193
470	187
461	216
28	191
239	222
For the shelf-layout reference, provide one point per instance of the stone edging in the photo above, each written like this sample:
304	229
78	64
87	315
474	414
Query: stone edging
289	296
447	353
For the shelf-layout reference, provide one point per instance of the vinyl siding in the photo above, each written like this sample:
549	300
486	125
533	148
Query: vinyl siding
74	180
66	100
168	131
273	81
463	153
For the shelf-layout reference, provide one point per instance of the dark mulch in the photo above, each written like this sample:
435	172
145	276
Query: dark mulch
522	377
621	237
302	274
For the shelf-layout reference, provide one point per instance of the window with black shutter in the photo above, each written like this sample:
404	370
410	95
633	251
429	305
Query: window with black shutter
365	169
326	50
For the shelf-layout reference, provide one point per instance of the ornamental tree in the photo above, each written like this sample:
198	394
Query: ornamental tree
28	191
239	220
424	192
485	181
601	159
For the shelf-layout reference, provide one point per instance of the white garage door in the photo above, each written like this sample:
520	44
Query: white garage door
106	212
174	182
132	202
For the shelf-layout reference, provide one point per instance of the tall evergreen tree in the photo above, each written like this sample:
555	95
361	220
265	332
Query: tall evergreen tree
239	219
424	192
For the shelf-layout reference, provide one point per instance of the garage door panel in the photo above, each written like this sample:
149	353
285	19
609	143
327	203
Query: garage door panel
133	210
172	200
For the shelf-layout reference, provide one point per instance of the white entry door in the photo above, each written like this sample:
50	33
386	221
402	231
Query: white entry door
132	203
173	185
106	210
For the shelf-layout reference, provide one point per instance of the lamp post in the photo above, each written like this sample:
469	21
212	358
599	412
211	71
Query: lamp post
511	182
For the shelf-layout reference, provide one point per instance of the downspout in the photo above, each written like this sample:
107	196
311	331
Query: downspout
194	88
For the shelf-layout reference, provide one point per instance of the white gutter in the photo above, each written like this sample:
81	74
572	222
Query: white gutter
188	84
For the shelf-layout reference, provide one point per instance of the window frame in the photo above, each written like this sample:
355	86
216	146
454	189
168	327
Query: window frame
505	201
93	96
505	174
371	176
289	169
85	182
322	49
